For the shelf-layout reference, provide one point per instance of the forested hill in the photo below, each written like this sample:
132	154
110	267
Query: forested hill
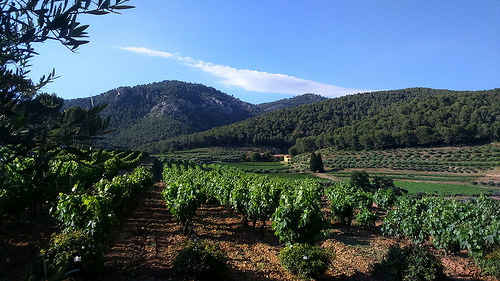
408	117
145	114
291	102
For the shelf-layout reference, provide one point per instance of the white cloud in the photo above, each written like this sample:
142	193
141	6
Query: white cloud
252	80
149	52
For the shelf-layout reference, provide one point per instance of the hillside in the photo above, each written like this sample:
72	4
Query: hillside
145	114
290	102
398	118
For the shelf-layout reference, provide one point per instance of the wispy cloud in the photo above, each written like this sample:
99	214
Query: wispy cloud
252	80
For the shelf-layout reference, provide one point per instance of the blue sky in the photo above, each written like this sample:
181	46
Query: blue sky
261	51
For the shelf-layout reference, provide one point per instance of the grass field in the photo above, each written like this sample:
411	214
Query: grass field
444	189
414	176
260	167
293	177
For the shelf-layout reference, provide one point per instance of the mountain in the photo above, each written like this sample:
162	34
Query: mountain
398	118
145	114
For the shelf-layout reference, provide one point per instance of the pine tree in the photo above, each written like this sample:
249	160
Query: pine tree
313	162
319	164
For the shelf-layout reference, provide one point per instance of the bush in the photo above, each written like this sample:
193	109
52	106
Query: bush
298	217
200	260
410	264
360	179
366	219
75	252
345	199
384	198
92	214
305	260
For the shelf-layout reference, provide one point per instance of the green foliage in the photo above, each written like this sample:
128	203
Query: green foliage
33	124
360	179
313	162
383	183
489	262
345	199
200	260
306	260
450	225
121	189
255	197
90	214
73	252
463	161
319	163
298	217
384	198
407	220
366	219
316	163
184	193
290	102
263	197
410	264
255	157
375	120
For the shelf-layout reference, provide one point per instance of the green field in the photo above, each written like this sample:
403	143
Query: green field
260	167
294	177
444	189
414	176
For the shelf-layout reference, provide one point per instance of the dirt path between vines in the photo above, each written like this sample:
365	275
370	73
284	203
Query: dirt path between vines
147	241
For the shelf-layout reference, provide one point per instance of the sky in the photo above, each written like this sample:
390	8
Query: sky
261	51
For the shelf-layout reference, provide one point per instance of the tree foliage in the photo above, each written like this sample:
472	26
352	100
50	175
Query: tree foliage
27	120
316	162
385	119
32	126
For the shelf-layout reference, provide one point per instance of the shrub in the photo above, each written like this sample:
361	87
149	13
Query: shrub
384	198
345	199
200	260
75	252
298	217
382	183
360	179
92	214
366	219
410	264
305	260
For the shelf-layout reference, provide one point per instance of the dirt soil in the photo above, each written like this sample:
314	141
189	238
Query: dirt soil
20	244
147	241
